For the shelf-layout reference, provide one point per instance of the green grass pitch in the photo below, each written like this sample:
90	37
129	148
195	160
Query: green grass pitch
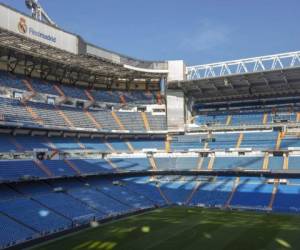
188	228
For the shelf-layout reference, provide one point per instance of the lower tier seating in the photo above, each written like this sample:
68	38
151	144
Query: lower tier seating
30	210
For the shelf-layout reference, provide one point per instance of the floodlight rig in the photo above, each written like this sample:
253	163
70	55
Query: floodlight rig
38	12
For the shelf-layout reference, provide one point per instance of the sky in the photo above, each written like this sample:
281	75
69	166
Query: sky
196	31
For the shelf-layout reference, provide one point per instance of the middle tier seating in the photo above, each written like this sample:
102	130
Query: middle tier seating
36	114
20	170
30	143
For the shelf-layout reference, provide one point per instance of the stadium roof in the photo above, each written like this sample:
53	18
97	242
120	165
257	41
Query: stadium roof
87	63
17	49
253	77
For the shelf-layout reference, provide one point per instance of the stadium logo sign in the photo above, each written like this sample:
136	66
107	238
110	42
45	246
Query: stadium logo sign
22	26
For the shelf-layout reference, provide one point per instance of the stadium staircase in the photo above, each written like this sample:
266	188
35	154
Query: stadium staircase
234	188
265	119
53	154
266	161
33	114
145	121
239	141
229	119
152	162
92	118
31	92
195	189
43	168
200	162
73	166
122	99
111	148
129	145
298	117
163	195
63	98
90	98
112	164
117	120
211	163
14	142
274	191
168	143
285	162
279	139
65	117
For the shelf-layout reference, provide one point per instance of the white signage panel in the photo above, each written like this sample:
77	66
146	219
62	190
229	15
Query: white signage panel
23	25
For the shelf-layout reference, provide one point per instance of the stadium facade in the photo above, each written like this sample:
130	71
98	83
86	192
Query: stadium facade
88	134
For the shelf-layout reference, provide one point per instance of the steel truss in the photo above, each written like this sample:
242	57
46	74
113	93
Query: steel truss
244	66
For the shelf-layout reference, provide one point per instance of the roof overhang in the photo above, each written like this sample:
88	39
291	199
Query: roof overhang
38	54
240	86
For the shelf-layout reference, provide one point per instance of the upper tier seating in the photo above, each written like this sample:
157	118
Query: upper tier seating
46	87
43	87
245	118
74	92
10	81
255	140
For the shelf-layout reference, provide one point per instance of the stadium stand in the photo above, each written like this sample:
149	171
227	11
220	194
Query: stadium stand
65	117
61	204
45	87
252	193
93	142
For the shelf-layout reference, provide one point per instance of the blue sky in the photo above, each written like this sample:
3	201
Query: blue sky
197	31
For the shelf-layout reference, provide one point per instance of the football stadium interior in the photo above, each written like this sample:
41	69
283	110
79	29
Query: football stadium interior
88	135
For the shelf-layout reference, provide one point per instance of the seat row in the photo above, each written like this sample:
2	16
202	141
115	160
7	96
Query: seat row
30	143
18	170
